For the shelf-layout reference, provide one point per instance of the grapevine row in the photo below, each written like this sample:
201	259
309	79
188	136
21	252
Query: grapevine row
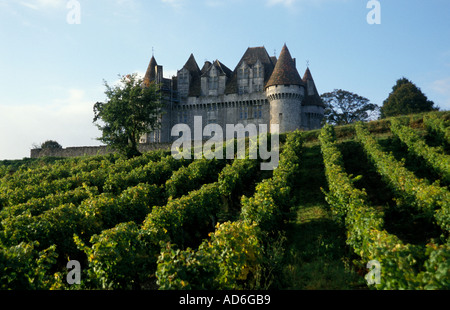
184	220
440	162
53	220
436	124
430	199
235	255
365	233
68	175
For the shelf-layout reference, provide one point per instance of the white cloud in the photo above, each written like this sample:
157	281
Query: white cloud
43	4
67	120
442	88
176	4
287	3
214	3
293	3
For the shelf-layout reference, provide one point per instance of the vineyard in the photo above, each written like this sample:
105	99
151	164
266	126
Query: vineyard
340	198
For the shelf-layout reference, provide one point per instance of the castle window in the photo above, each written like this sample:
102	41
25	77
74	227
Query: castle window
258	71
213	82
243	113
243	89
184	77
243	73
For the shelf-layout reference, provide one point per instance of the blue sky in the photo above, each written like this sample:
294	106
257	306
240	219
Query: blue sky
52	72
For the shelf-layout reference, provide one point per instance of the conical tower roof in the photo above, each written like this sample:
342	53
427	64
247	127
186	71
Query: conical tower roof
285	72
195	72
150	75
191	65
312	95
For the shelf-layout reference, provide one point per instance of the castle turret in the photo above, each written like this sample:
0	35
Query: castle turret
313	106
285	91
150	75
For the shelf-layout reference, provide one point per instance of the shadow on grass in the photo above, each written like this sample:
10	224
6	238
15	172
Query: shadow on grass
316	256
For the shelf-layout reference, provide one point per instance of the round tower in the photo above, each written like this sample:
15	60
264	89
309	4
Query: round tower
285	91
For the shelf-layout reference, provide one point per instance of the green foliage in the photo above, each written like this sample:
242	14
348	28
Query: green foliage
343	107
405	98
229	260
133	204
272	196
240	254
438	125
417	145
156	222
189	178
131	111
401	263
24	268
430	199
341	190
185	220
151	172
51	145
117	258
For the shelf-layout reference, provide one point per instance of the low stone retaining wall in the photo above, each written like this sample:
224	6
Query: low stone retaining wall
91	150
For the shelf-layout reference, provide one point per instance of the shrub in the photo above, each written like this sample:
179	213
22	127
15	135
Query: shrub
24	268
117	258
229	260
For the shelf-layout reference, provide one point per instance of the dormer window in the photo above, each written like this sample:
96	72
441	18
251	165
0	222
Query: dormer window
184	76
243	72
258	71
213	82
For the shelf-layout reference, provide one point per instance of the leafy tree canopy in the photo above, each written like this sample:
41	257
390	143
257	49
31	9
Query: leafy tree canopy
343	107
406	98
51	145
130	111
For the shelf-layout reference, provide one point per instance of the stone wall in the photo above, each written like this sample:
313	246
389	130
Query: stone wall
92	150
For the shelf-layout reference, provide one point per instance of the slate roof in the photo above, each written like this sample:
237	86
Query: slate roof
311	98
251	57
195	72
223	70
285	72
150	75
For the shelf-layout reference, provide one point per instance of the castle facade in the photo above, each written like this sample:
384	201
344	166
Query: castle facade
260	90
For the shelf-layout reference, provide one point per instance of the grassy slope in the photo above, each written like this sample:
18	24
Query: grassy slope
316	256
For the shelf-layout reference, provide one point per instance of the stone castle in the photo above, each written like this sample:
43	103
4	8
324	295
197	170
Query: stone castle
261	90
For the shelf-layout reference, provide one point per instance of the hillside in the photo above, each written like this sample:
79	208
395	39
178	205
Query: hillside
341	197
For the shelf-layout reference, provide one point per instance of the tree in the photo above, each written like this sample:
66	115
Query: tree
51	145
406	98
343	107
131	111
